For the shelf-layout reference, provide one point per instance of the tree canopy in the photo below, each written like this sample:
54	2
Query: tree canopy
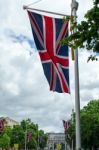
87	35
89	118
27	132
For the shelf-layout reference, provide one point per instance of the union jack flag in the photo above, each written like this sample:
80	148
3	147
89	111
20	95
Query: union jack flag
48	32
66	125
29	136
1	125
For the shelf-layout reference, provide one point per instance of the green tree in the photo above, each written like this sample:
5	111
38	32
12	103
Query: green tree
42	139
7	130
89	117
32	128
19	133
70	132
17	136
4	141
87	34
5	137
90	125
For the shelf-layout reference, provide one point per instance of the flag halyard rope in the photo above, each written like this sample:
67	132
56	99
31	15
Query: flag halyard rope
34	3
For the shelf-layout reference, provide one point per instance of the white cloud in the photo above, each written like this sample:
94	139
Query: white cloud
24	91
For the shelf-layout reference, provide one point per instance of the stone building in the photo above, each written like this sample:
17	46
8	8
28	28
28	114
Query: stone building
8	121
56	141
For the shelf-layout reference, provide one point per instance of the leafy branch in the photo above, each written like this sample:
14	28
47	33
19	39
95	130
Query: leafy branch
87	34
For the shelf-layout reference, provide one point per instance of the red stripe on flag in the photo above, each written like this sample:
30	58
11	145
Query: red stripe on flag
44	56
64	62
49	44
49	34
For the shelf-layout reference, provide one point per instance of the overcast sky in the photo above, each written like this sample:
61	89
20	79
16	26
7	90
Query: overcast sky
24	91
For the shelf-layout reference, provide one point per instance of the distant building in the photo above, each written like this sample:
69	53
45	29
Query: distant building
56	140
8	121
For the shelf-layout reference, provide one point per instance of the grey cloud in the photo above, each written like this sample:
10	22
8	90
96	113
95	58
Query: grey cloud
20	38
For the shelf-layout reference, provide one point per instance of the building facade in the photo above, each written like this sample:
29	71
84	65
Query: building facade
56	141
8	121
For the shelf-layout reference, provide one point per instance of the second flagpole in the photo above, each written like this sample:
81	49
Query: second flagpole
74	7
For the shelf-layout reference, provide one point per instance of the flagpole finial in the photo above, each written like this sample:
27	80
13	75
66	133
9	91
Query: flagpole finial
74	5
24	7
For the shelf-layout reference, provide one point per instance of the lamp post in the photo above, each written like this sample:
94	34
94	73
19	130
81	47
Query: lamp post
26	136
37	138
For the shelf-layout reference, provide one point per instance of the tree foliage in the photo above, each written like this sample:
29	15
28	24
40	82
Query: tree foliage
17	134
89	118
87	34
4	141
42	139
90	124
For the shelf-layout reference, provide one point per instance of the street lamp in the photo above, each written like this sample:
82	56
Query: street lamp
37	138
26	136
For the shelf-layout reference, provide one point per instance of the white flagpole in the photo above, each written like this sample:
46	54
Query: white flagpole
74	7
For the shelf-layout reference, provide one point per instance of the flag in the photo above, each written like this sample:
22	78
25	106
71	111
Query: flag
48	33
65	125
29	136
1	125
